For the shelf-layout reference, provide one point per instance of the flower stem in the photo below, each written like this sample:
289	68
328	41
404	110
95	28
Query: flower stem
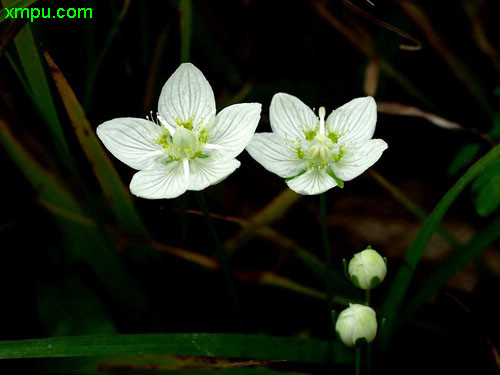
328	261
358	361
368	346
221	255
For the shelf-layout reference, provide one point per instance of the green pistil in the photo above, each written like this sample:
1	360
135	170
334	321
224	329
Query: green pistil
310	134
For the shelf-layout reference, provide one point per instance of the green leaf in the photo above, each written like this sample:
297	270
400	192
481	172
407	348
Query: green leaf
403	278
14	4
463	157
40	89
487	190
456	261
114	190
192	344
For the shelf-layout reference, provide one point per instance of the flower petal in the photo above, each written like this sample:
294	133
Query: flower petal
354	121
289	117
132	140
206	172
187	97
314	181
359	159
275	155
163	182
234	128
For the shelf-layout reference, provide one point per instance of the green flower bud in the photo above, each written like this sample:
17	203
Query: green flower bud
367	269
356	324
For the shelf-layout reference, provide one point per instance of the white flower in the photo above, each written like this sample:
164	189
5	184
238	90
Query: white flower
188	147
367	269
313	155
355	323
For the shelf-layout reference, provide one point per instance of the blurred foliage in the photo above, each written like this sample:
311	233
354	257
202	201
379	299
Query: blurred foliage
82	257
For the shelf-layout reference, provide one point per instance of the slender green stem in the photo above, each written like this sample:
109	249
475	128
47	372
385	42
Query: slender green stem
358	361
221	254
328	262
368	346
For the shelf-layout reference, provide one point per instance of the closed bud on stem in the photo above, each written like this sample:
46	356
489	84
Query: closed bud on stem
367	269
357	324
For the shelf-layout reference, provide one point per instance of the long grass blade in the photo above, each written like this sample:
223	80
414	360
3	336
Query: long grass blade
40	90
452	265
403	278
272	212
115	191
258	347
14	4
83	243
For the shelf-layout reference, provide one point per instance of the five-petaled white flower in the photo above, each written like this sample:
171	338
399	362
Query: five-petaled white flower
188	147
313	155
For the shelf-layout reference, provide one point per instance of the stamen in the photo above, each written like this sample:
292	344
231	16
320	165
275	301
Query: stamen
185	164
321	113
167	126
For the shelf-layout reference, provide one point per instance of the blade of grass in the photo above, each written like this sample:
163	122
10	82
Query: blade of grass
456	261
409	204
149	364
272	212
152	79
14	4
40	89
266	278
83	243
10	33
192	344
403	278
337	279
115	191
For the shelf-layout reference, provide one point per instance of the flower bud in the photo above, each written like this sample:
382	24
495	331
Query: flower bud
367	269
355	323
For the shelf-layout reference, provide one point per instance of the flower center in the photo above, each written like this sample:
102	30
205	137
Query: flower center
181	143
321	148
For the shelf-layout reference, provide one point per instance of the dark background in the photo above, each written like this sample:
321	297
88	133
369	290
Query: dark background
267	47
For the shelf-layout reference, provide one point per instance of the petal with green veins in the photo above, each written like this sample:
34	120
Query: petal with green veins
206	172
290	117
234	128
275	155
133	141
314	181
162	182
187	99
356	160
355	120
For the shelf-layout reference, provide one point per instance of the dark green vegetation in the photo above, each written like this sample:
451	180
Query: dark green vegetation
123	285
